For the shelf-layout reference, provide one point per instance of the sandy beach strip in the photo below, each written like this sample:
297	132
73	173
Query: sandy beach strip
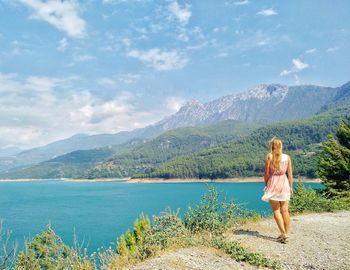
159	180
219	180
76	180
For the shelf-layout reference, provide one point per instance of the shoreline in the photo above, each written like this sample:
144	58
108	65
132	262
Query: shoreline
130	180
76	180
206	180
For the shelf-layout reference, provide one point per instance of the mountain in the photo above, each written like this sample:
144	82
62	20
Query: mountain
269	103
301	138
9	151
74	143
264	103
135	155
229	148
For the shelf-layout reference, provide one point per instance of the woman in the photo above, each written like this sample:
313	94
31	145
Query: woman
278	187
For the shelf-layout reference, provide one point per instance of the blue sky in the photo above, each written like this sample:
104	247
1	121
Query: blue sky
91	66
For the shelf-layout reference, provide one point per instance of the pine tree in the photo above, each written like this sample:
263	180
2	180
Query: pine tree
334	162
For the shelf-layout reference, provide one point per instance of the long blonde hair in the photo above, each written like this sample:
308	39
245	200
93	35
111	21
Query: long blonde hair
276	152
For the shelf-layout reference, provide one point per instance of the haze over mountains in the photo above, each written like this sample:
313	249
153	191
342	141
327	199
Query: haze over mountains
263	103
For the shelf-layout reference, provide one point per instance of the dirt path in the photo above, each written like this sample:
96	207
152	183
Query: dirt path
316	241
194	258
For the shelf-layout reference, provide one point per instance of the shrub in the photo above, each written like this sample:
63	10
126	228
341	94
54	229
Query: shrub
168	230
214	215
146	239
311	200
47	251
131	242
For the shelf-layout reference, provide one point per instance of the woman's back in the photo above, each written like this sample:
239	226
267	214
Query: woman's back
277	187
283	166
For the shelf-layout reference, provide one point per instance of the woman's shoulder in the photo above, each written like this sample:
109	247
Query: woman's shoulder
268	156
285	157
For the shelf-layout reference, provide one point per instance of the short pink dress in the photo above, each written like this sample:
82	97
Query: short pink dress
277	188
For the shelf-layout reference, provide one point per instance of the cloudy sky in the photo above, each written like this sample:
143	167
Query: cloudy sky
103	66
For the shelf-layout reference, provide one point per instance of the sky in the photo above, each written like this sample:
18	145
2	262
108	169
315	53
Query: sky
104	66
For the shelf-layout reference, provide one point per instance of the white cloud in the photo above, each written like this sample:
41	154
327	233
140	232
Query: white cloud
107	82
310	51
128	78
174	103
160	60
332	49
64	15
240	2
297	66
182	14
62	45
83	58
37	110
267	12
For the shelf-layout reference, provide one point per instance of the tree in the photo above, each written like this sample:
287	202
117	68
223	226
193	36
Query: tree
334	161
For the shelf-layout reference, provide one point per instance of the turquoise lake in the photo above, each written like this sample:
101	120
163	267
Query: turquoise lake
100	211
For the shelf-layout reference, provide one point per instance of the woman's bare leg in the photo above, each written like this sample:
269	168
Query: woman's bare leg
275	205
285	215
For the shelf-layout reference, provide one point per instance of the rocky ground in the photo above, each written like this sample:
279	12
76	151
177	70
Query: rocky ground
316	241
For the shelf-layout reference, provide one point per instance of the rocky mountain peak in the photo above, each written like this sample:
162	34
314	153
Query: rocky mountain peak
192	103
262	91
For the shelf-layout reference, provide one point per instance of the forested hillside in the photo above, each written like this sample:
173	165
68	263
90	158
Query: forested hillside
135	155
245	157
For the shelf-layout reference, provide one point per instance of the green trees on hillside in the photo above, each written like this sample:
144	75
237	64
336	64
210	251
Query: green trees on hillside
244	157
334	161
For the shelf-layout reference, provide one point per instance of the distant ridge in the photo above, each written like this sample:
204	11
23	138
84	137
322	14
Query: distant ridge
263	103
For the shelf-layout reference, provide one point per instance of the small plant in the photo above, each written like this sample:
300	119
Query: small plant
7	249
240	254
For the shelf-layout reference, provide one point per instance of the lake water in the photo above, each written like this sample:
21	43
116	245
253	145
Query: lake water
100	211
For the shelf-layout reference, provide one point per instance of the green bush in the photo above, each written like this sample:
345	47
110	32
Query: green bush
311	200
47	251
146	239
165	228
131	242
214	215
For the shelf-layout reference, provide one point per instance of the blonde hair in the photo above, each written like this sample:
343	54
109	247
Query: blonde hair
276	152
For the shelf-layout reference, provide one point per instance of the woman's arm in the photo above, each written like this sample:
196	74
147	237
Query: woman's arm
267	169
290	174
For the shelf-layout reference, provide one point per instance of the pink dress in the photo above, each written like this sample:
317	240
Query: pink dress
277	188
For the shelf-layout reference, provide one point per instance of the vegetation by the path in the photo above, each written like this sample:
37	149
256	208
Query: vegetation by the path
315	200
334	169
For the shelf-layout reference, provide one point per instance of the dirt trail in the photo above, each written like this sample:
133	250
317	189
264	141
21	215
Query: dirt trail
316	241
